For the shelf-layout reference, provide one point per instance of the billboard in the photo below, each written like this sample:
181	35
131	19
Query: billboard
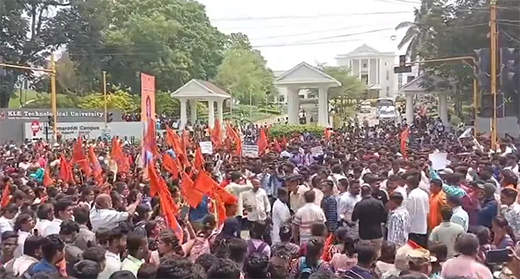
87	130
147	97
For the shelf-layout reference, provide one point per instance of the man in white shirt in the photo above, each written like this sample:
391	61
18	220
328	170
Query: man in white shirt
347	200
62	212
418	206
256	202
114	241
296	199
281	214
103	216
45	214
7	219
460	216
307	215
237	190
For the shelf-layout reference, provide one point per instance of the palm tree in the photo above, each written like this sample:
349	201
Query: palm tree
416	33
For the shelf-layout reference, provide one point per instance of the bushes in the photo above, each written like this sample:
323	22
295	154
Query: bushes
290	130
270	111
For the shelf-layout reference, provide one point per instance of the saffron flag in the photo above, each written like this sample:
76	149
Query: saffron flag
262	142
65	170
234	137
96	166
191	195
216	134
404	141
199	161
79	157
204	183
170	165
276	146
6	193
47	180
119	157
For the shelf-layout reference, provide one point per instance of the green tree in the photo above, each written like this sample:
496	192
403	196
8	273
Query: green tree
165	104
351	87
170	39
119	100
244	73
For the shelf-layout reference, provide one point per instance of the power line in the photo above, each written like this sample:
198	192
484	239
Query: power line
309	16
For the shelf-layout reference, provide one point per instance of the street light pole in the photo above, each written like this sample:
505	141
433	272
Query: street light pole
493	52
53	98
105	97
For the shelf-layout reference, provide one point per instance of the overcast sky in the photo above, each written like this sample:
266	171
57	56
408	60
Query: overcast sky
288	32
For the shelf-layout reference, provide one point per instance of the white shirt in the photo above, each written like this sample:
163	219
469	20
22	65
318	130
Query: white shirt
281	214
22	236
296	199
53	227
237	190
305	217
22	263
106	218
259	203
418	206
318	196
460	217
42	225
346	203
113	264
5	225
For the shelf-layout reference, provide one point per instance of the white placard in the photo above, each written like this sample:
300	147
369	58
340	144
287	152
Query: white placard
439	160
206	147
250	151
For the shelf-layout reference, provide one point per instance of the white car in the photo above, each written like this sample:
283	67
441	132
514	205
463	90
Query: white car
365	108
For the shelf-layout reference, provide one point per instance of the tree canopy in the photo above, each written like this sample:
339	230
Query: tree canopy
244	73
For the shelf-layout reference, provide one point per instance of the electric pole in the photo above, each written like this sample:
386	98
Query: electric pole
493	51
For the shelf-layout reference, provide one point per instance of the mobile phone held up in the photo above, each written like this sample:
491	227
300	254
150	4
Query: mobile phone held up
498	256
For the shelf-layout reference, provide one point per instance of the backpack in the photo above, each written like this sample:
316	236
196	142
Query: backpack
306	270
252	249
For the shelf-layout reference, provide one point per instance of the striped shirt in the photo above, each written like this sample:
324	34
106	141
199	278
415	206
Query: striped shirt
329	205
308	214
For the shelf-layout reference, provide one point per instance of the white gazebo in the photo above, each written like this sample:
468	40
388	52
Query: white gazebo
413	88
198	90
304	76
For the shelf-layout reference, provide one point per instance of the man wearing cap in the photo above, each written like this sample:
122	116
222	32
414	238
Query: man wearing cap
489	208
419	260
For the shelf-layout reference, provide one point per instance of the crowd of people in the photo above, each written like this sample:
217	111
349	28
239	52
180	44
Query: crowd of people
360	202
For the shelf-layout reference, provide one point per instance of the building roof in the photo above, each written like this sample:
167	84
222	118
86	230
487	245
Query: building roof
200	89
365	51
305	74
414	86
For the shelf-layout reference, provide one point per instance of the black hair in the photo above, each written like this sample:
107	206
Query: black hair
95	253
237	249
256	266
86	269
51	245
134	242
62	205
10	208
179	268
9	234
20	220
467	244
257	230
146	271
323	274
206	261
43	211
31	245
122	274
314	247
446	213
68	227
81	215
224	268
365	254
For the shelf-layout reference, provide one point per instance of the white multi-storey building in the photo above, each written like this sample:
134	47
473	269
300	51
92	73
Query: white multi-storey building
376	69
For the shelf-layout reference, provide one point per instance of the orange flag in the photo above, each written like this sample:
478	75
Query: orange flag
262	142
221	193
327	133
96	166
47	180
404	141
65	170
170	165
168	206
79	157
191	195
150	138
170	137
199	161
119	157
6	193
216	134
185	140
234	137
204	183
277	146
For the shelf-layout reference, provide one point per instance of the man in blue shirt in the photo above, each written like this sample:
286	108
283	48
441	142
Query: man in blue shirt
489	206
52	252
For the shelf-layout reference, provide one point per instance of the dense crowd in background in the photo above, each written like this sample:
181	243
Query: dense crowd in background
358	202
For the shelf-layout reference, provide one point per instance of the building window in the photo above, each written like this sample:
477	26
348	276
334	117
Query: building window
387	75
388	91
364	78
364	65
386	63
399	81
409	78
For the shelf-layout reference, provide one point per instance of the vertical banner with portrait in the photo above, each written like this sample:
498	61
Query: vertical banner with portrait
147	97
